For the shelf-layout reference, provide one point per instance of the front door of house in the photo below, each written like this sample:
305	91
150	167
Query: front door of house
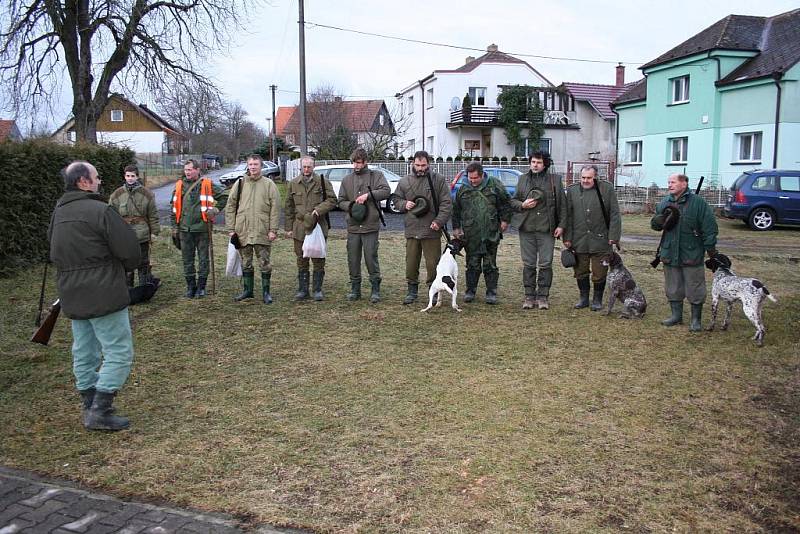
486	145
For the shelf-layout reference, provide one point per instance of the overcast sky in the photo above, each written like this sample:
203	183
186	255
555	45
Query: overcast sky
361	66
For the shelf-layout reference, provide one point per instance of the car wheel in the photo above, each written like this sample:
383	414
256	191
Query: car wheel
390	207
762	219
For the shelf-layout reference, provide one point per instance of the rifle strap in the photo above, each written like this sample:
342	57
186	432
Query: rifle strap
602	205
435	198
324	198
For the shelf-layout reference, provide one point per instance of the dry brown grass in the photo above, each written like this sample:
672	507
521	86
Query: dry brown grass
358	418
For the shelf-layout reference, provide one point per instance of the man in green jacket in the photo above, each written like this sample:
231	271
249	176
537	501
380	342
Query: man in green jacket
193	213
541	217
306	197
593	228
481	214
92	248
686	236
424	197
137	206
363	230
252	217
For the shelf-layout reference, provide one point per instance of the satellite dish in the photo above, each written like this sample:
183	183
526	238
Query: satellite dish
455	104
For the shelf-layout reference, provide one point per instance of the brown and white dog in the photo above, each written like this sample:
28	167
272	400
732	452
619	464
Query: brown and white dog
622	287
730	288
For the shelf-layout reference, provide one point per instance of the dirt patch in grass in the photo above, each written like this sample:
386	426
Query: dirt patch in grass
340	416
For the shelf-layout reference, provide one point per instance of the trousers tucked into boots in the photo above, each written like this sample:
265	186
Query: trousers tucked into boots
583	288
302	285
597	297
247	283
491	280
319	276
265	282
191	287
201	288
375	295
472	285
411	296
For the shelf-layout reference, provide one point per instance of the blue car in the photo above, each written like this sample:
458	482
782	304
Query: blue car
508	177
764	198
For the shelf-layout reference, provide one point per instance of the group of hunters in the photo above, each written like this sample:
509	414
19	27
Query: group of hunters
97	246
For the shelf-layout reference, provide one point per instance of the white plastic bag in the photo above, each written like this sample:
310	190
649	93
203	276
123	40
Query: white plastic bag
314	244
234	264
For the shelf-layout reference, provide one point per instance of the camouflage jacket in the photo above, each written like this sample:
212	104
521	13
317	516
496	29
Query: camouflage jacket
478	212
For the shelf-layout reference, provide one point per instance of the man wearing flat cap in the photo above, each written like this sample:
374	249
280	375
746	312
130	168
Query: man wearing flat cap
424	197
309	198
689	228
360	196
253	218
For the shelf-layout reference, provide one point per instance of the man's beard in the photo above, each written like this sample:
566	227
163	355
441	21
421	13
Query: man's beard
420	174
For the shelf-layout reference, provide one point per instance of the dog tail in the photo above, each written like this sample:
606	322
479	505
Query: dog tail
764	290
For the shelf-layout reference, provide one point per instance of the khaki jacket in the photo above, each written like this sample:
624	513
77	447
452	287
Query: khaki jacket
137	207
253	209
353	186
410	187
549	213
586	226
302	198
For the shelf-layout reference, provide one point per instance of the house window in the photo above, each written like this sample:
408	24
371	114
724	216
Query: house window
429	98
478	96
634	151
748	147
380	119
402	111
116	115
430	144
411	146
410	105
679	89
525	148
471	147
678	149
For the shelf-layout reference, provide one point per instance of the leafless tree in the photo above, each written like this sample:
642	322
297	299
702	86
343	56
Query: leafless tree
194	109
138	43
380	141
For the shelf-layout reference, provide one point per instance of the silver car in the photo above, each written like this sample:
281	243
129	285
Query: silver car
336	173
268	169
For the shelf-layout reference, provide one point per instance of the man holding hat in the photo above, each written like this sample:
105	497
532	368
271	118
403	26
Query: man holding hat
593	227
308	201
689	228
541	219
253	218
424	196
360	196
481	213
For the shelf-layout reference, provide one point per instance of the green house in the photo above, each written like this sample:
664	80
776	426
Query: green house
722	102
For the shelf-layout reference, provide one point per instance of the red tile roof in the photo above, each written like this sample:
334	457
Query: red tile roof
8	129
359	116
599	96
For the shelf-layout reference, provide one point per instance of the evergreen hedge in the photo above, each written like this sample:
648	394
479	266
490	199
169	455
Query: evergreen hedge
31	183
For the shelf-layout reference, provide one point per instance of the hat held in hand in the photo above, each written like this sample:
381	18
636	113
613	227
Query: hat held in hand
309	222
358	212
421	207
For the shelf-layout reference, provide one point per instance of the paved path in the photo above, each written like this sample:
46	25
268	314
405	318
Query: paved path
31	504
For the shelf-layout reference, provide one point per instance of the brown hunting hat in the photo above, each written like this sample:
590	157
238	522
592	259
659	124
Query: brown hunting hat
421	207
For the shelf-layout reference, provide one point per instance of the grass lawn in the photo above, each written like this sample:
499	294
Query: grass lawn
353	417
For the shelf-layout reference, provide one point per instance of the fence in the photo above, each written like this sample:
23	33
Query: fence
447	169
631	197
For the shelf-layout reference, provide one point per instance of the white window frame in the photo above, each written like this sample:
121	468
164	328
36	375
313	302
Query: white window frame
429	144
411	104
634	152
679	90
748	147
380	119
429	98
476	93
411	146
117	115
683	149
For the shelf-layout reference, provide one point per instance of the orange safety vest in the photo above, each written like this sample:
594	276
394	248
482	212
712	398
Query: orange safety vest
206	199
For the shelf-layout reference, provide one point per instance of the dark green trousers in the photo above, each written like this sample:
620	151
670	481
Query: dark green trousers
191	243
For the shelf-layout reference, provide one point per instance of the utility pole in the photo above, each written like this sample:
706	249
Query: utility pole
303	132
274	126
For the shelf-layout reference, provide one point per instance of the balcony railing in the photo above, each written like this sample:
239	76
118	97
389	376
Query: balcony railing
488	116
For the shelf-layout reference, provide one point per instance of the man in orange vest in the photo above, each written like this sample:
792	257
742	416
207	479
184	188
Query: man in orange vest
195	203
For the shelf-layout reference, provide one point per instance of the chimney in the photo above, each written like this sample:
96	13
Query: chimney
337	98
469	59
620	75
491	48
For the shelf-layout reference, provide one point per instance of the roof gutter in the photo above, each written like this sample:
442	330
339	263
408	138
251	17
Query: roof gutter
422	111
776	78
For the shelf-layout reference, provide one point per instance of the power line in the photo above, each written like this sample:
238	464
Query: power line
344	96
445	45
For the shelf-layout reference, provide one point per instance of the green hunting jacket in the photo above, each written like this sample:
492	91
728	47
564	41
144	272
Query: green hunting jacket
253	209
191	216
410	187
91	247
353	186
549	213
586	226
478	212
304	197
137	206
696	232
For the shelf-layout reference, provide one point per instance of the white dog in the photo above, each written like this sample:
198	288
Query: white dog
446	277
